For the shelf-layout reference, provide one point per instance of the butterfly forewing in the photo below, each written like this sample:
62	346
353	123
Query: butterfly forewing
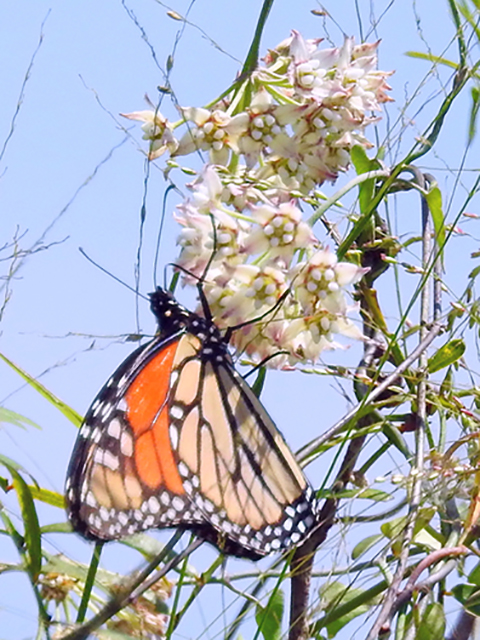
123	475
177	438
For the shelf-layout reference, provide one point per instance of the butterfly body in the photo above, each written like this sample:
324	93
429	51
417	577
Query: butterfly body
176	438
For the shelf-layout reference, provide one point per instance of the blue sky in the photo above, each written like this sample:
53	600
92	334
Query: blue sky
70	175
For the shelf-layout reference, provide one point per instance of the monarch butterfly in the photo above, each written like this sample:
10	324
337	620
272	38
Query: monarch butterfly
176	438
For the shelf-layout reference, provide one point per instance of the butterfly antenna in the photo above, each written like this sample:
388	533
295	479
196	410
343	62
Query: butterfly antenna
214	250
200	281
109	273
263	362
279	302
201	294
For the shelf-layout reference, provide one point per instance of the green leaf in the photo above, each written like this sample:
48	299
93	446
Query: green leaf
336	595
472	125
9	463
364	545
269	618
11	531
67	411
363	164
434	201
58	527
374	494
49	497
31	526
446	355
394	529
425	539
432	58
365	494
11	417
257	386
469	596
5	568
474	575
431	625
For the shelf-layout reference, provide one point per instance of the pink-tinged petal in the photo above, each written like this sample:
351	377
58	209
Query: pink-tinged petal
187	144
347	273
220	156
198	115
238	123
345	53
298	47
141	116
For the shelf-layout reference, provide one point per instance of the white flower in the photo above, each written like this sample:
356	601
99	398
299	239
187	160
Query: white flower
206	190
157	129
281	230
214	131
320	280
267	121
207	238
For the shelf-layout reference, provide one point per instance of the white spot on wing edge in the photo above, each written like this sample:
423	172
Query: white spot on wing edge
178	504
173	431
153	504
115	428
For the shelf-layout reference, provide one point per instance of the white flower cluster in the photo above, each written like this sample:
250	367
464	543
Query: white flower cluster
265	260
271	144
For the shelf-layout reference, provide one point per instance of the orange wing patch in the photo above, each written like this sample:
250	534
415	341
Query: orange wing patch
147	415
148	392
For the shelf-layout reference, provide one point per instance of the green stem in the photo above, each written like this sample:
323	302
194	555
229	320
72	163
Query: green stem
363	177
252	56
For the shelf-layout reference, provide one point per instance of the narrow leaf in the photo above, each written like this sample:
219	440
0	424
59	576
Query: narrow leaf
67	411
257	386
49	497
431	58
363	164
11	417
31	526
431	625
364	545
58	527
9	463
472	125
446	355
434	201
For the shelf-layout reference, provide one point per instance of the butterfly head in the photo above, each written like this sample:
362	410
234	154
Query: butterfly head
170	315
173	317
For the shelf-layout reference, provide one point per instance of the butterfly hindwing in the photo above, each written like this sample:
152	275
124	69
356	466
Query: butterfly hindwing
248	479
